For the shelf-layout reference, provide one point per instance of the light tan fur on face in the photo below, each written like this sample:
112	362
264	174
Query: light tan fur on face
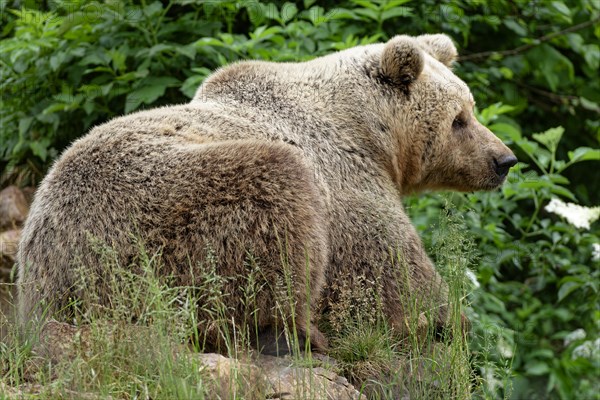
441	157
317	152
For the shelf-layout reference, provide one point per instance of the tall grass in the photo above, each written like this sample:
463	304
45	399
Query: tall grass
142	345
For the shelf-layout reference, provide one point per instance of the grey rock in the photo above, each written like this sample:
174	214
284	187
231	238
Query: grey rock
13	207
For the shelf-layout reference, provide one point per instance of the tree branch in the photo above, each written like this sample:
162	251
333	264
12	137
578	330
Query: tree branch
528	46
556	98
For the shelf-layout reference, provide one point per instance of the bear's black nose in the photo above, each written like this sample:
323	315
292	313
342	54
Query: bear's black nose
503	164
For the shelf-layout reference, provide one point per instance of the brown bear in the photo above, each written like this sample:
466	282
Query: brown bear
299	166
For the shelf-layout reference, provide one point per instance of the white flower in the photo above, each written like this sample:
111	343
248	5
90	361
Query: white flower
490	379
595	251
471	275
573	336
588	349
576	215
505	349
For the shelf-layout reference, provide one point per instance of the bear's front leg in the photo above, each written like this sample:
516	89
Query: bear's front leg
375	239
416	295
418	299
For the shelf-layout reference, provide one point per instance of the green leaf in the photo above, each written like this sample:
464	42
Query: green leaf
533	150
562	9
56	60
366	12
506	131
24	125
575	41
209	41
153	10
514	26
40	148
191	84
396	12
151	90
98	57
145	94
490	113
118	59
562	191
159	48
567	288
54	107
556	178
394	3
88	107
554	67
550	138
366	4
584	154
132	76
188	51
342	13
270	11
262	33
288	11
256	12
538	184
591	53
537	368
589	105
317	15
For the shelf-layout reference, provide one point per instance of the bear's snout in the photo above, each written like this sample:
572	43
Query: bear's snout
503	164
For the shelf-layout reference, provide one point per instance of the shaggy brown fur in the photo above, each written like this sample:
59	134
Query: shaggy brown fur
317	152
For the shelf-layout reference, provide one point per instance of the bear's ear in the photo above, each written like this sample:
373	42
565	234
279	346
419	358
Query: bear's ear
440	46
402	60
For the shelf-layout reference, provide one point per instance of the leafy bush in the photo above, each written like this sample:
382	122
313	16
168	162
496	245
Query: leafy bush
537	276
533	67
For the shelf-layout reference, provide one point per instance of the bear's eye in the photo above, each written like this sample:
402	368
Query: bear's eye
459	122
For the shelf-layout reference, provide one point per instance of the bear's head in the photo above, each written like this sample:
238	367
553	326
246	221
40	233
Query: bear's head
429	112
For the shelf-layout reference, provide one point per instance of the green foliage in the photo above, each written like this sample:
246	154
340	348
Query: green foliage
538	277
66	66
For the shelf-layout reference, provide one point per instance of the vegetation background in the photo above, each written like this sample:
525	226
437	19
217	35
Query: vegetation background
66	66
